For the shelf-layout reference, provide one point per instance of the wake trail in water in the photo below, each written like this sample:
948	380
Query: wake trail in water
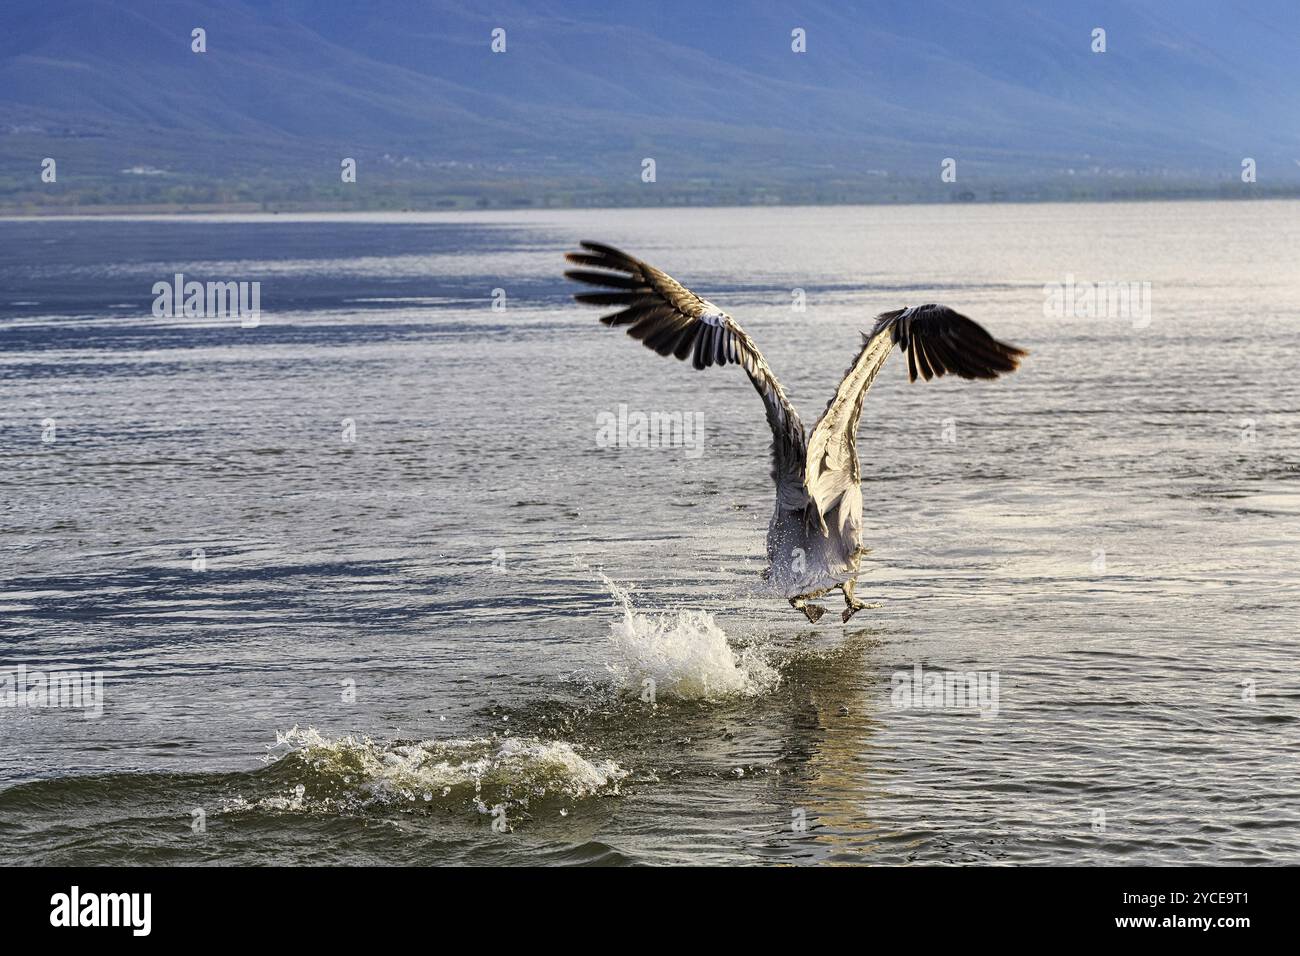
349	774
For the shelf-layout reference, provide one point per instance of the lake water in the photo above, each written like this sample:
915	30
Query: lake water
364	585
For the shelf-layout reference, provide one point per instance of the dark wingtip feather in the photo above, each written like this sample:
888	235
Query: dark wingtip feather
604	250
926	363
940	341
687	341
603	256
605	298
613	280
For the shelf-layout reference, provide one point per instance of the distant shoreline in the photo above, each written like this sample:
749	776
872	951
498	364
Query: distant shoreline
163	210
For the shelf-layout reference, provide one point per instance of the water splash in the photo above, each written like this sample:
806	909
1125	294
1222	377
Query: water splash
685	653
320	774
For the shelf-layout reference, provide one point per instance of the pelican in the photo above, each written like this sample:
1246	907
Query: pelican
814	540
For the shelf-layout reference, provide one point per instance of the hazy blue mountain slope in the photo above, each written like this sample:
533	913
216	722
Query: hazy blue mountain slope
586	90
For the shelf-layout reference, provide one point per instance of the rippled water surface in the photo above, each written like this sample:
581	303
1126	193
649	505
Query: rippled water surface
429	604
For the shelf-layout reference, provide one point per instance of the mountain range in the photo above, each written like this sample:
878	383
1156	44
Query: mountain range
1015	92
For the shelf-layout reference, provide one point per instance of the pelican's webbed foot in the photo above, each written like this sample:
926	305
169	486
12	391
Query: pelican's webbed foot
853	604
853	609
813	612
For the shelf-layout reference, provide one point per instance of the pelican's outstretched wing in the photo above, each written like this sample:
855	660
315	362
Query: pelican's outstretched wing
937	341
673	320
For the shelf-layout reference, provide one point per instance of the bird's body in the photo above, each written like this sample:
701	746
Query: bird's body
804	562
814	540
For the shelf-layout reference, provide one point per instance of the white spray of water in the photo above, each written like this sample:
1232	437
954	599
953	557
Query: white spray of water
353	773
685	653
